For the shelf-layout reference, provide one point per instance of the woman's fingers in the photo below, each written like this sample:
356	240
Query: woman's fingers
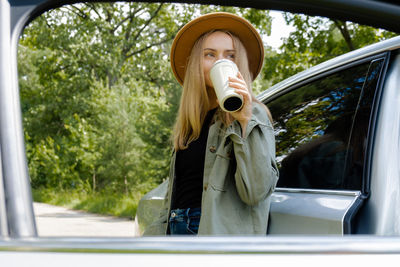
244	114
240	86
237	83
237	80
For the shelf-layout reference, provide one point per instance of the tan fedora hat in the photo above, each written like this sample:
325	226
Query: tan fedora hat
188	35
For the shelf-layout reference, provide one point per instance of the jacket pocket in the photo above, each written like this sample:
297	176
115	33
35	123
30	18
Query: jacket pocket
222	168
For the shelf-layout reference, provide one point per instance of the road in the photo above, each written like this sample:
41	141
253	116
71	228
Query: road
59	221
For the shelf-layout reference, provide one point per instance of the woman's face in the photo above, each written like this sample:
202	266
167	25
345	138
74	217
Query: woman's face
217	45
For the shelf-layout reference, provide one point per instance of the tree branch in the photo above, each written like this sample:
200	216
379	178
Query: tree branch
80	13
148	21
92	7
128	34
131	16
342	26
119	24
147	47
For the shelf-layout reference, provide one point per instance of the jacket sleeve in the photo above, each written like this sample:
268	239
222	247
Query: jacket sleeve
256	170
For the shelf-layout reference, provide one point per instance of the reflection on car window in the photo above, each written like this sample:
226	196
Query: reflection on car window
321	129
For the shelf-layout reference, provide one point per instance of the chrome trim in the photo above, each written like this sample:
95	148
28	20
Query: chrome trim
317	191
21	220
371	50
210	245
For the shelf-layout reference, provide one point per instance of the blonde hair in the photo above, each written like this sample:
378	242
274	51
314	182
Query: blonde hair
194	103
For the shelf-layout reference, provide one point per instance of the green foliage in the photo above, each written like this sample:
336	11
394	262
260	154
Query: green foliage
314	41
79	121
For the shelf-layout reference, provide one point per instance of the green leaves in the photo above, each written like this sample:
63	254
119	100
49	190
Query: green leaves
97	95
316	40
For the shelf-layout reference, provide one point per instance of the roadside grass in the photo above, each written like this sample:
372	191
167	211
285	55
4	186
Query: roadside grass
105	203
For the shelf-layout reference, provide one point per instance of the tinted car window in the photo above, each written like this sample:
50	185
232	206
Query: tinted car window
322	127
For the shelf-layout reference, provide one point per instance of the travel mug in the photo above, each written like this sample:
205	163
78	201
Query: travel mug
229	100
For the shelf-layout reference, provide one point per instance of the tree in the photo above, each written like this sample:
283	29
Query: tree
67	57
316	40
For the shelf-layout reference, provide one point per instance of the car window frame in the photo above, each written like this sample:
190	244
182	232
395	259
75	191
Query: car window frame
350	217
24	11
365	189
367	171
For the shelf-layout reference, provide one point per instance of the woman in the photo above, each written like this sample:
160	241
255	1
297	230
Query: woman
223	168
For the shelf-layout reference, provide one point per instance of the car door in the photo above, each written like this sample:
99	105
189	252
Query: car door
3	217
323	133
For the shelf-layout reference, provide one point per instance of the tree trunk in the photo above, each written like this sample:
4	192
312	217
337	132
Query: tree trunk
342	26
94	181
126	185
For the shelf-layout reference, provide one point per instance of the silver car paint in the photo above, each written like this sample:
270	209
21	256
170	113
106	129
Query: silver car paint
381	214
149	206
15	174
312	212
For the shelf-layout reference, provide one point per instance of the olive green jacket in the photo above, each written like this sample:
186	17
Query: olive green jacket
240	173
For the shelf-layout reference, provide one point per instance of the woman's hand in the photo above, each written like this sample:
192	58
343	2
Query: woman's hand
243	115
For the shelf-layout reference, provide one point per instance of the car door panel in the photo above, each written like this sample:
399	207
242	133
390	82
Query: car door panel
310	211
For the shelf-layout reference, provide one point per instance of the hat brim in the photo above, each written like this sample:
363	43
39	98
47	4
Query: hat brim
187	36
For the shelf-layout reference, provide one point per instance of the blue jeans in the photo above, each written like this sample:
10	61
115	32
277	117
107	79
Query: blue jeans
184	221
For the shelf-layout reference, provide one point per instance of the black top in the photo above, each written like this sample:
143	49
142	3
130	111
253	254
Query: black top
189	170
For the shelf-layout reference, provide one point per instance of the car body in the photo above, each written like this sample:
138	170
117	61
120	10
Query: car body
368	207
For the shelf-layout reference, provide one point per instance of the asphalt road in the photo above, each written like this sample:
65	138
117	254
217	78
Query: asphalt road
59	221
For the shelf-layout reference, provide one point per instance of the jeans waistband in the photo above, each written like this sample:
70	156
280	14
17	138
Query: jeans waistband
189	212
184	221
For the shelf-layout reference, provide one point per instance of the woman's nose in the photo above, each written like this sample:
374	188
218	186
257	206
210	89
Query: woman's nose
221	56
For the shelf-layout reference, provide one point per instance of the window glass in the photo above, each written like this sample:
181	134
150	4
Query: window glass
321	129
99	102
